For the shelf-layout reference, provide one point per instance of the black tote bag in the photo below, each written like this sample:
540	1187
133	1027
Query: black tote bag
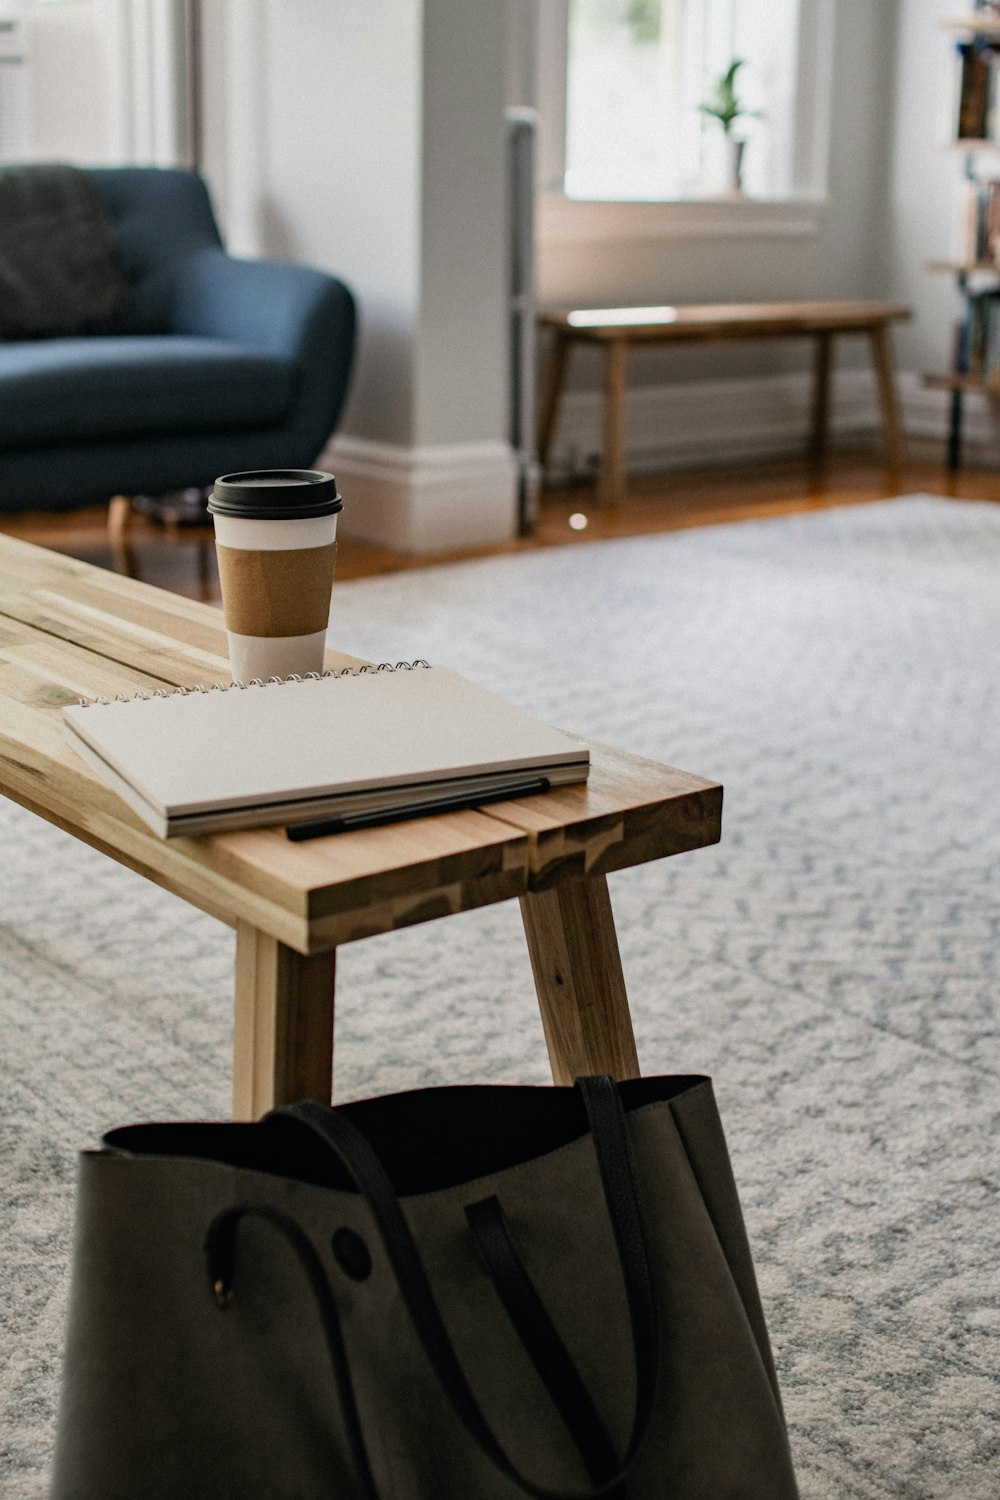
467	1293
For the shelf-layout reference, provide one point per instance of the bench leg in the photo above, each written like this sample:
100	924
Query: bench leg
119	517
120	535
578	976
821	396
955	431
553	377
611	476
283	1025
882	355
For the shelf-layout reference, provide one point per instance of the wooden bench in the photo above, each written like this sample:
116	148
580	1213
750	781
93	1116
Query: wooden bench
69	630
619	327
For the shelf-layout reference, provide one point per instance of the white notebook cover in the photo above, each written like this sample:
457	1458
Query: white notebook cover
199	762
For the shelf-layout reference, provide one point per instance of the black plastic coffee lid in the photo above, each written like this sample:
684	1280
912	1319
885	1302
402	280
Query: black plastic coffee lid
275	495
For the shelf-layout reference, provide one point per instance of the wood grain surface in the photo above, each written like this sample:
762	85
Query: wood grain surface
69	630
702	321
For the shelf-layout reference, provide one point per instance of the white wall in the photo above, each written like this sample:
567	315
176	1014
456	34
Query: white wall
339	115
368	140
923	179
461	384
845	256
377	144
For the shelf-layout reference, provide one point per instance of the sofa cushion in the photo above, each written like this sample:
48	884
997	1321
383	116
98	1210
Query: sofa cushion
59	270
65	390
160	216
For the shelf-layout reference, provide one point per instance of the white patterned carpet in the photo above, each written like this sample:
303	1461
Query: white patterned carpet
833	963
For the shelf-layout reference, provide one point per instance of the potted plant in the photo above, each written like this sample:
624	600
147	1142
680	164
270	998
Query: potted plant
725	107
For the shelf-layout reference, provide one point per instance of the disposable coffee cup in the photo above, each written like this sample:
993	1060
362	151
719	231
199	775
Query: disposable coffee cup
275	539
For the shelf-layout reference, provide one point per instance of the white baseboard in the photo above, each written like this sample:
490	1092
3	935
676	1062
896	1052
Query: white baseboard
707	422
465	495
719	421
425	499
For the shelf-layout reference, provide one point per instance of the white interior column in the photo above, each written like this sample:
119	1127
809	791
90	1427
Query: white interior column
374	148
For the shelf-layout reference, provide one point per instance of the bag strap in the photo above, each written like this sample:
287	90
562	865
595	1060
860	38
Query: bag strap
609	1133
615	1158
540	1337
220	1260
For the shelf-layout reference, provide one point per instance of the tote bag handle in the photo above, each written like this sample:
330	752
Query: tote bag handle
609	1133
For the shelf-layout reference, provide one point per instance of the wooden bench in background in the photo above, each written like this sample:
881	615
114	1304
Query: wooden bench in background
616	328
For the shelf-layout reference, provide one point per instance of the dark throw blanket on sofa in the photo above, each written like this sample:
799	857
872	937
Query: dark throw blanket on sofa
59	273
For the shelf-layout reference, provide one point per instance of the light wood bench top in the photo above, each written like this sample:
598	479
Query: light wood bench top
722	320
69	630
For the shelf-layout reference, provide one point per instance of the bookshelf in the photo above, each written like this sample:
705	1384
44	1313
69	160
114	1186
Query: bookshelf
974	134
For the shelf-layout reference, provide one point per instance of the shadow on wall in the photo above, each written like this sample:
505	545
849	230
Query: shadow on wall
277	239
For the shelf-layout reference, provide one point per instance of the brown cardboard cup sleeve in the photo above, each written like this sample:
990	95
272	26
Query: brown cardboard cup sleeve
276	593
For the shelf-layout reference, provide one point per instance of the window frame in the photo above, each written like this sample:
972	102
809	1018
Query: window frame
562	219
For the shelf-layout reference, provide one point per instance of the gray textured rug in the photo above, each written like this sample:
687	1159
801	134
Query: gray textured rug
833	963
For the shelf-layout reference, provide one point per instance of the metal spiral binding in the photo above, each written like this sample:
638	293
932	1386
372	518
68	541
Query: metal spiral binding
370	669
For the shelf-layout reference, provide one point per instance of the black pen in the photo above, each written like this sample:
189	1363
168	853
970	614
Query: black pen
346	822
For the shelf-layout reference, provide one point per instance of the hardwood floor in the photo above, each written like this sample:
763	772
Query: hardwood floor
182	559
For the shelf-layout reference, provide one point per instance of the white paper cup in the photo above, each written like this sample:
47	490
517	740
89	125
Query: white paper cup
275	538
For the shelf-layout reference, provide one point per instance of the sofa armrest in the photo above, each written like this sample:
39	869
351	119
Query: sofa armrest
271	305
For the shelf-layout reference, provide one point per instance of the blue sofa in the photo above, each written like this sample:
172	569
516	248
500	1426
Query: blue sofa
215	364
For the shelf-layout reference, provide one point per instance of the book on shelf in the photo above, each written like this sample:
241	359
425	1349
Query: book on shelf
356	742
976	90
977	240
977	336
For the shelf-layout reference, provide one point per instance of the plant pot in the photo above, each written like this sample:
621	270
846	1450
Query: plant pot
735	146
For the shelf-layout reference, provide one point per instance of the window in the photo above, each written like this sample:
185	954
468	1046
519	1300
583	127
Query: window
637	71
622	82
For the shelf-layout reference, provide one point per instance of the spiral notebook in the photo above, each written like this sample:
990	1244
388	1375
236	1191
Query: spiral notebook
292	750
